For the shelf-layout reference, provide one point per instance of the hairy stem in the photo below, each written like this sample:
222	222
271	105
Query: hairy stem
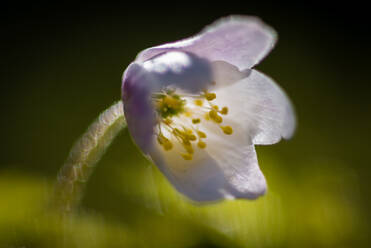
84	155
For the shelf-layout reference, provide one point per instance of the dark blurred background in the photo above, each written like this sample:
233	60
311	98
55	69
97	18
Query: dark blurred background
61	65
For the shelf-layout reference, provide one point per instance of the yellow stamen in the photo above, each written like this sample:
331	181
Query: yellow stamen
164	142
227	129
177	132
186	142
161	139
167	121
167	145
196	120
188	134
188	148
201	144
201	134
198	102
170	105
224	111
188	131
210	96
187	156
215	117
213	114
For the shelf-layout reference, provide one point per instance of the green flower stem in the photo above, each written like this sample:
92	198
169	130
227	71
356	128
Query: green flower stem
84	155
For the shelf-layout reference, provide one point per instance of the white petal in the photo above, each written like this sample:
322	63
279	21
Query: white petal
200	179
259	106
180	69
239	40
240	166
225	73
224	170
227	168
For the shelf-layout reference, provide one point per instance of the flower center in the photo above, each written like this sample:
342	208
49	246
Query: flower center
180	116
169	104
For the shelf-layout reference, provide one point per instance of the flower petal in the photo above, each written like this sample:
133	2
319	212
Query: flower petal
239	40
138	110
224	170
259	106
225	74
173	69
200	180
180	69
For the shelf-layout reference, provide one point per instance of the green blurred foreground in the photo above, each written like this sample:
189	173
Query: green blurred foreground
138	208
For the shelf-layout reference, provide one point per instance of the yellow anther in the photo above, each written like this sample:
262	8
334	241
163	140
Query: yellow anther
188	148
167	121
167	145
216	107
161	139
164	142
201	134
224	111
182	135
188	131
207	117
188	114
196	120
186	142
187	156
188	134
210	96
201	144
215	117
213	114
218	119
227	129
198	102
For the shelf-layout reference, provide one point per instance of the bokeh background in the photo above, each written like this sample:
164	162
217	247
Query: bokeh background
61	66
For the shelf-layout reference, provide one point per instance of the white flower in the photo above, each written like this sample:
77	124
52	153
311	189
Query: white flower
197	109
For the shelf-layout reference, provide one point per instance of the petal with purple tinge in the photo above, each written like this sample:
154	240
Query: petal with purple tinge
241	41
139	114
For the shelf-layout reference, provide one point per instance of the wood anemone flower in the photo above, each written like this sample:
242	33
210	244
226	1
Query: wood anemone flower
196	108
